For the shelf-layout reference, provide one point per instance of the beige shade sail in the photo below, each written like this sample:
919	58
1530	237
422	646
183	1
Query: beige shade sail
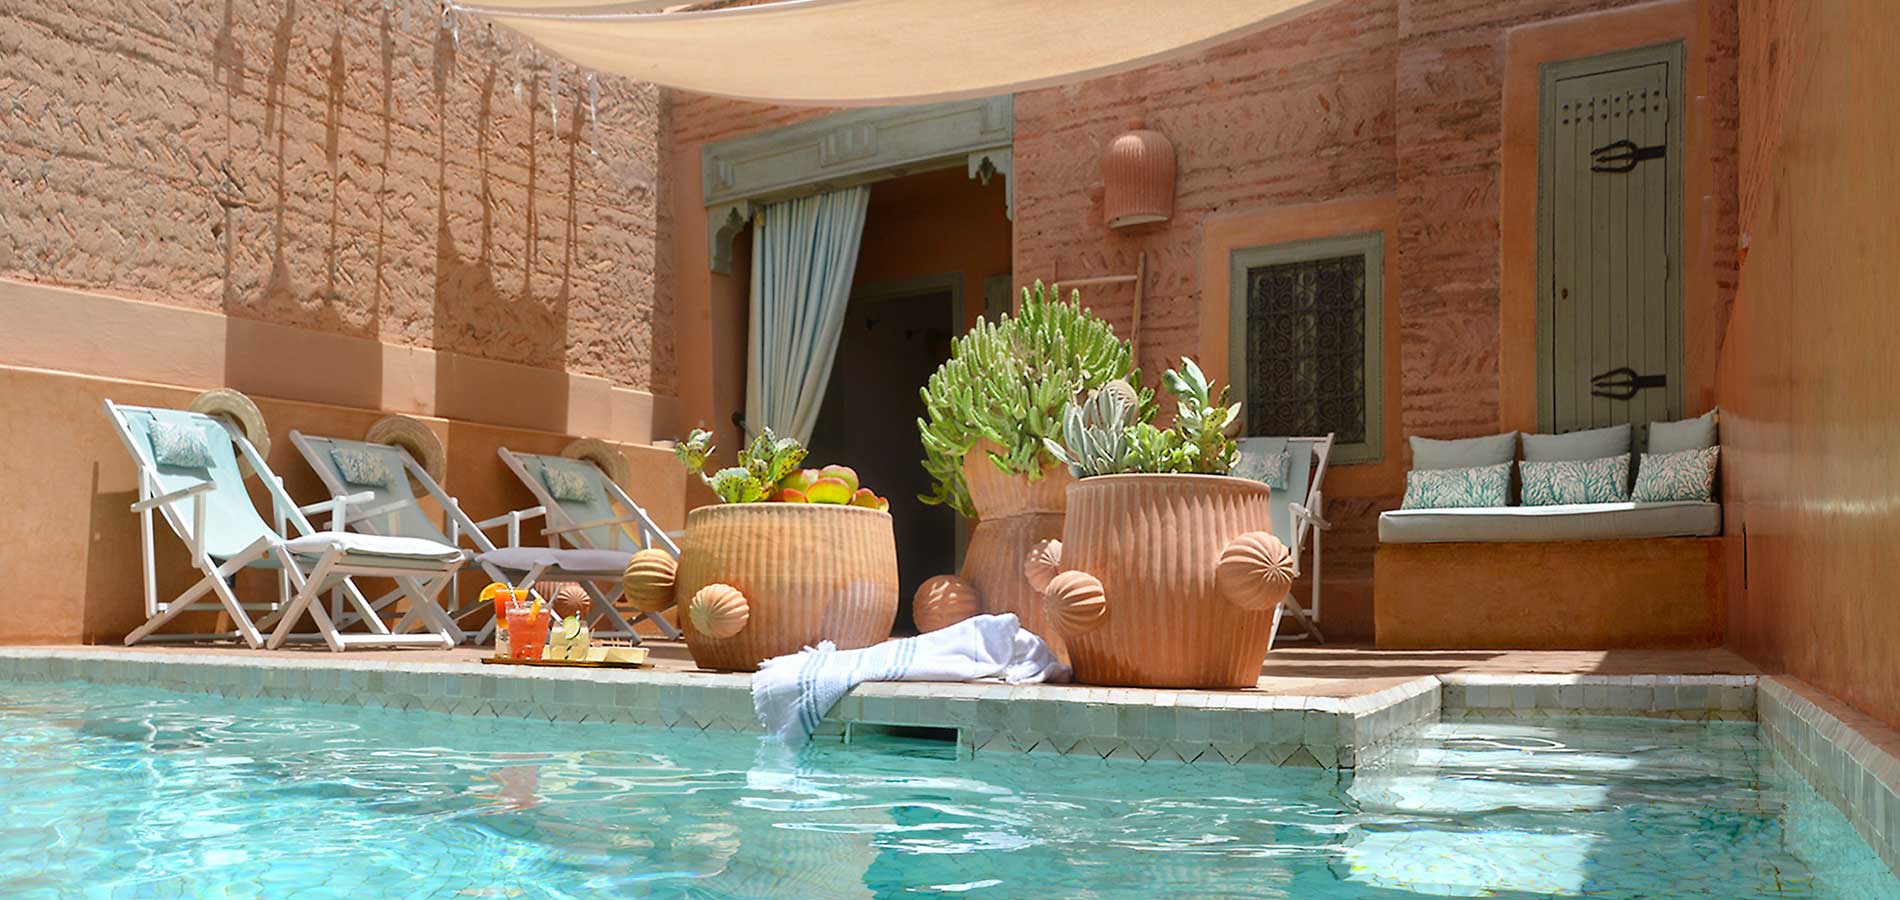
878	52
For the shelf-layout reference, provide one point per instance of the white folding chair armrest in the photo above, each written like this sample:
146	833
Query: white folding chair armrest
1301	512
582	526
513	516
338	507
174	496
341	500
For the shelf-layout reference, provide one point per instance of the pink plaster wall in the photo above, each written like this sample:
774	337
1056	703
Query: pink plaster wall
335	166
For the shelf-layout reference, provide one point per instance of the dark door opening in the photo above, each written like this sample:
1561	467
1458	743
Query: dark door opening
894	339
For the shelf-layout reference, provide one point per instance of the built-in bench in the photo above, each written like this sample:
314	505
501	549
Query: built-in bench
1565	522
1582	576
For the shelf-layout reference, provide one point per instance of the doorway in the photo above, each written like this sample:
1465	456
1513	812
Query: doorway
895	336
1609	307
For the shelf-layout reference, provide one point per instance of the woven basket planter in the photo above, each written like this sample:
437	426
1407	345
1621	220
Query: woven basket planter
1013	515
758	580
1168	581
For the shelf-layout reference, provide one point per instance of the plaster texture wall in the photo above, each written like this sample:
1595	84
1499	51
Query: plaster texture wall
1808	374
347	168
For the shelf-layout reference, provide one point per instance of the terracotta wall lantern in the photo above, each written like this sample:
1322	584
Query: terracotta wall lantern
1138	178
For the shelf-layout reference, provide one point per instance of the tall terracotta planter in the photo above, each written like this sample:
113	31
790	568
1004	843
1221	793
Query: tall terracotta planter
758	580
1013	515
1165	580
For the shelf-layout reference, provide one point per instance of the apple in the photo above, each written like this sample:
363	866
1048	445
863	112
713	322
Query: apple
829	490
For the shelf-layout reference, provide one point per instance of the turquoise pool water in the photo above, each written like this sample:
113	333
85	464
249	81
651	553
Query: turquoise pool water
127	792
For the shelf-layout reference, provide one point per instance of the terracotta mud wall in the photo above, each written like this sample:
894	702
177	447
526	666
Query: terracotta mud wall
344	209
1808	374
1364	105
349	168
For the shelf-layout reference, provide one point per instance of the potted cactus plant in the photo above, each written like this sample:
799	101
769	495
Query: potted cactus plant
991	408
1167	573
789	558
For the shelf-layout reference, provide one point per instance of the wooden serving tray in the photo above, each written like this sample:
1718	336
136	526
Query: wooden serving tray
567	663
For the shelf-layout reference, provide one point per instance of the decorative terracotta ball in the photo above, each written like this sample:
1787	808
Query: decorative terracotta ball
564	597
1075	600
1045	560
1255	570
649	579
718	611
944	601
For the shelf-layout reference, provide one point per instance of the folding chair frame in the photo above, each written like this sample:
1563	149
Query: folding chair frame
296	586
1309	522
561	527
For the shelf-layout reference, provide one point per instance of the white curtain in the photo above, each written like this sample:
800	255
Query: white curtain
803	253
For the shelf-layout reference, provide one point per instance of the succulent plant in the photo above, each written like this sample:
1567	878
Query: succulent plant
1009	381
1095	431
768	470
1105	433
1201	420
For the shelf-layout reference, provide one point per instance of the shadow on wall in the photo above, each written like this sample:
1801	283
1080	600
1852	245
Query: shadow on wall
330	243
482	310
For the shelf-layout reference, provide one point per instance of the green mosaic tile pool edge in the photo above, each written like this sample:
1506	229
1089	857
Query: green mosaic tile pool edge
1199	727
1854	773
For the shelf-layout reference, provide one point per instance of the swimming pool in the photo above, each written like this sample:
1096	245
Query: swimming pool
130	792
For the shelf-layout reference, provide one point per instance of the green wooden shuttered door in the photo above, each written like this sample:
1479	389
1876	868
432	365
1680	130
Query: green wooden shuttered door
1609	327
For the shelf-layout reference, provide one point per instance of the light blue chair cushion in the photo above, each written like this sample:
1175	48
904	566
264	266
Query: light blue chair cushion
1431	453
1688	434
1566	522
559	560
1596	443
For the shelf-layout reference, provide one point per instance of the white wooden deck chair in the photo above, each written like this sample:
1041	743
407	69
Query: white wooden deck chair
1298	509
384	472
205	502
588	511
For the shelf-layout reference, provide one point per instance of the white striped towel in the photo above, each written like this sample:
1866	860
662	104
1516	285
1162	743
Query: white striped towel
791	694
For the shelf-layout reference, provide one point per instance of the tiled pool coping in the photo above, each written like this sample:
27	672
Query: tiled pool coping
1201	727
1847	756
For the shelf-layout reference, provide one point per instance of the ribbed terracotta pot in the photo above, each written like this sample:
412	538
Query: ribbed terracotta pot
758	580
1013	515
1166	580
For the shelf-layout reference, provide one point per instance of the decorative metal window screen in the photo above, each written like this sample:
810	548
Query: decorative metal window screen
1306	348
1306	341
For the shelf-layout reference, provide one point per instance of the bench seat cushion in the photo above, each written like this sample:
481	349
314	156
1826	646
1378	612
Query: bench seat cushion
1564	522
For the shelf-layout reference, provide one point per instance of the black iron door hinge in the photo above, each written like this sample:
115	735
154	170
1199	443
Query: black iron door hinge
1623	383
1618	157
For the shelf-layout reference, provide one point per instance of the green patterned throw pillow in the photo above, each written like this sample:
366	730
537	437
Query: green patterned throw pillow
182	446
1603	480
1454	488
1683	475
568	483
360	466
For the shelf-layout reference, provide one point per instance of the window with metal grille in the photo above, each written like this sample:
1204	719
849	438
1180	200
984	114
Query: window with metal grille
1305	341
